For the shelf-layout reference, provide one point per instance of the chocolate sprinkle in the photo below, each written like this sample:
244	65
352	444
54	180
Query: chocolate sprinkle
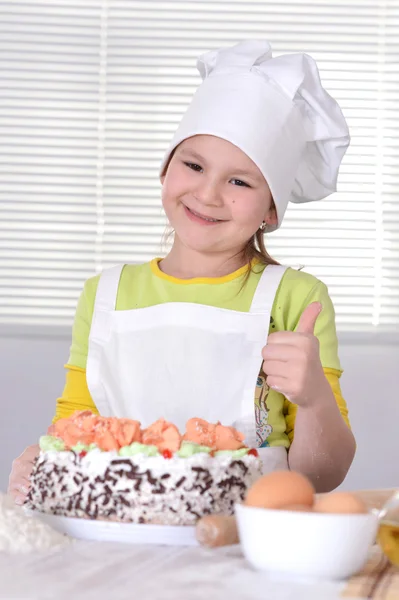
125	491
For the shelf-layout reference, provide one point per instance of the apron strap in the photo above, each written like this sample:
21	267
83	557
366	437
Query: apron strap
265	293
107	289
104	304
262	304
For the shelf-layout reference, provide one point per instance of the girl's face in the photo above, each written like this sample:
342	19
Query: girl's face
214	196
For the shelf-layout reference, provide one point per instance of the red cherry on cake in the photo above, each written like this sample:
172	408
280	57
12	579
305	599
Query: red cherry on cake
253	452
167	453
82	454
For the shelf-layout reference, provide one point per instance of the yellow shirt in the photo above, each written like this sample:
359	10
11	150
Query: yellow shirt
146	285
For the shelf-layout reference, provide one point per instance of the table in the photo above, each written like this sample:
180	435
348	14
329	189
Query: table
99	571
102	571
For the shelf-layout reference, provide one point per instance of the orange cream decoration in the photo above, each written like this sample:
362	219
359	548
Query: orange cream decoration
228	438
111	433
200	432
216	436
162	434
108	433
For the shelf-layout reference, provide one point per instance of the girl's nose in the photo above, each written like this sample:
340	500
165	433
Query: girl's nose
208	193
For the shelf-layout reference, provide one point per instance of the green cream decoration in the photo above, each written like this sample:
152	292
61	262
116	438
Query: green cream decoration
79	447
188	449
233	453
49	443
137	448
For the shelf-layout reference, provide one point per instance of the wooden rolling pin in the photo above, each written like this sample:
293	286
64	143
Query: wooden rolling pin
221	530
217	530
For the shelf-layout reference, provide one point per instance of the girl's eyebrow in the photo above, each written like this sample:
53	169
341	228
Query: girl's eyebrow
193	154
200	158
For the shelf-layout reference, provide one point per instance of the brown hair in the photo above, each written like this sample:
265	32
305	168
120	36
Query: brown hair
256	250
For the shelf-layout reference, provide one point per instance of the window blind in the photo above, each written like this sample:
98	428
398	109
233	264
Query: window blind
91	92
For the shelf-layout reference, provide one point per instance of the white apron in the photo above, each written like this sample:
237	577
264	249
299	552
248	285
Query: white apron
181	360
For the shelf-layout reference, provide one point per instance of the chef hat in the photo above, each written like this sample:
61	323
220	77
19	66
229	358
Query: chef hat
277	112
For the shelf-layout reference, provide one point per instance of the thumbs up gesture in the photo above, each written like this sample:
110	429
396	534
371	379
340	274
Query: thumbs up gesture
292	361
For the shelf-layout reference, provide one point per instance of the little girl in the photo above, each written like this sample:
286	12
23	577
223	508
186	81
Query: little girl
218	329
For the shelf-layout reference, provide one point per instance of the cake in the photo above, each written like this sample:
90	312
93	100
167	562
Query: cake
96	467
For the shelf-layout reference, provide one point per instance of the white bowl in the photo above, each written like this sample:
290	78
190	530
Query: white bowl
305	545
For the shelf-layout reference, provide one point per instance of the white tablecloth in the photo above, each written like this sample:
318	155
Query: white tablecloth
99	571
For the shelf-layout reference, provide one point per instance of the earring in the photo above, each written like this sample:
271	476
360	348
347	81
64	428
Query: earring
263	226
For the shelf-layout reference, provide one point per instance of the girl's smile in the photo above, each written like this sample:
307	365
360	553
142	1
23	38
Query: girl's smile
202	219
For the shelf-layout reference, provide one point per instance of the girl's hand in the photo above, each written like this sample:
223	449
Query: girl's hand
292	361
18	483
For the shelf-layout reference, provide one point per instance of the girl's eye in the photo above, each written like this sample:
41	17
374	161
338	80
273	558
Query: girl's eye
193	166
240	183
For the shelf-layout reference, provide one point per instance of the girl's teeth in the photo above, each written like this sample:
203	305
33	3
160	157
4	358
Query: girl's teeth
205	218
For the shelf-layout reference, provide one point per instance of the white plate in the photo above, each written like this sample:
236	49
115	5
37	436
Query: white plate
128	533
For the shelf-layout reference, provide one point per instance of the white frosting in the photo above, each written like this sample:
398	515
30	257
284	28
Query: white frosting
96	462
140	488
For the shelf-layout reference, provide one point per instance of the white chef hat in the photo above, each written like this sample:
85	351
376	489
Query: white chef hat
277	112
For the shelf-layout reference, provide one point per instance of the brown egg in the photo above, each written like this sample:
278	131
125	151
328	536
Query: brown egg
280	489
297	508
340	503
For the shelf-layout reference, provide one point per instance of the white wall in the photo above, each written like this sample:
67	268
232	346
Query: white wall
370	385
32	376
